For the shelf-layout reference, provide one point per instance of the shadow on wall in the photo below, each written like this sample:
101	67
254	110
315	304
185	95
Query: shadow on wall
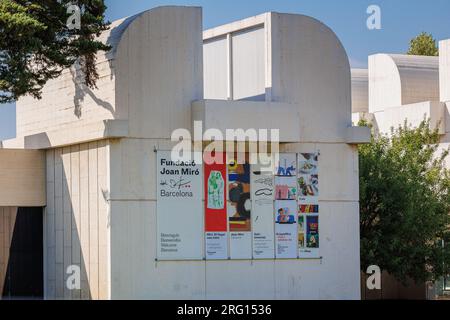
76	221
21	255
65	257
82	90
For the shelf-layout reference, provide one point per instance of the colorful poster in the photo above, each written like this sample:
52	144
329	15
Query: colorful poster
215	184
286	229
301	232
239	209
286	188
262	195
312	232
308	208
310	248
308	178
179	208
308	204
287	164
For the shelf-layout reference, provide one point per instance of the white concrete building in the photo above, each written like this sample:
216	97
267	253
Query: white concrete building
405	88
94	152
360	91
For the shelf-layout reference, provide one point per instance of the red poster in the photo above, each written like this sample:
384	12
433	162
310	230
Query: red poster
215	195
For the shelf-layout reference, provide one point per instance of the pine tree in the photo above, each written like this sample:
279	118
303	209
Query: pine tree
37	42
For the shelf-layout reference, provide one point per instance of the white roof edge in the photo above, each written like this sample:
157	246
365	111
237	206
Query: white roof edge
235	26
412	61
94	131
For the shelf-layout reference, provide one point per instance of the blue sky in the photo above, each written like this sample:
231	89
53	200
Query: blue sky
401	20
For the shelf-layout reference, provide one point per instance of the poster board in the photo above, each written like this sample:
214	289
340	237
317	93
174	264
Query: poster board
216	229
308	205
239	207
285	209
262	195
229	210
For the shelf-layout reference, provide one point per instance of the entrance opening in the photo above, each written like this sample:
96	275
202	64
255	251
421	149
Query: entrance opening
24	277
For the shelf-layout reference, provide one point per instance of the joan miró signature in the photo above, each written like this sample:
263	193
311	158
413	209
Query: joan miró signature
176	183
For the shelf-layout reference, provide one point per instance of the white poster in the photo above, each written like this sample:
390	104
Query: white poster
263	230
262	194
216	245
179	209
286	229
240	245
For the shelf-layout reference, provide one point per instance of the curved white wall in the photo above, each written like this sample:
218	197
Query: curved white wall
159	71
396	80
310	67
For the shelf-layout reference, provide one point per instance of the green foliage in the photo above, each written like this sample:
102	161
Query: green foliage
36	44
405	204
423	45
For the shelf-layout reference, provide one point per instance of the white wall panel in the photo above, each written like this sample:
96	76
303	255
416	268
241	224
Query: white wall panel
248	61
72	223
215	68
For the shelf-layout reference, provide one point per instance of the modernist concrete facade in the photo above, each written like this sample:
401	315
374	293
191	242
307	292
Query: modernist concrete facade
96	151
403	88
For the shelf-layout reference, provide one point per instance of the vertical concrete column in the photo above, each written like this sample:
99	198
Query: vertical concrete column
159	73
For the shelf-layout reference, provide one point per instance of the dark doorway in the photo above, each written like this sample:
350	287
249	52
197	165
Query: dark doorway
25	271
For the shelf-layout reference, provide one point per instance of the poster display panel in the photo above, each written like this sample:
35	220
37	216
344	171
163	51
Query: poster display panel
308	205
262	195
215	186
239	208
286	229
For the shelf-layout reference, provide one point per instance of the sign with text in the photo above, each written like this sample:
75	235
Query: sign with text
179	209
228	209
